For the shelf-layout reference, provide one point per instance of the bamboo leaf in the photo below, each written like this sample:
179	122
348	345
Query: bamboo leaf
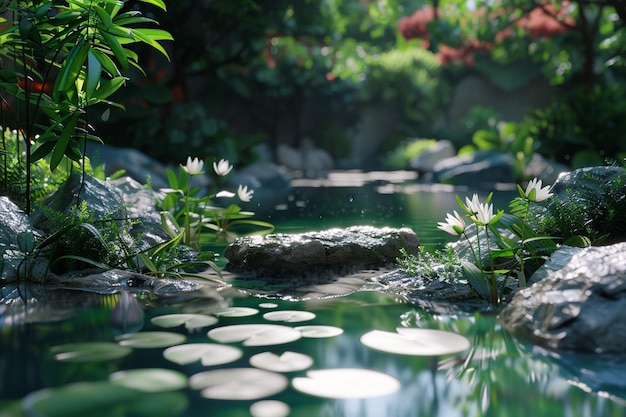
71	68
61	146
158	3
94	71
151	37
108	87
106	63
114	45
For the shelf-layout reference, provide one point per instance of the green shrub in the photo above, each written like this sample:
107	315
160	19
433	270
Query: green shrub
582	128
409	80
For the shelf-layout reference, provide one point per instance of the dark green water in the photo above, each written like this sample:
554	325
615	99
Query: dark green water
497	376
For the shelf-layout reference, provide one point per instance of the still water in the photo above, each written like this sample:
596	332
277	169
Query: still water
49	364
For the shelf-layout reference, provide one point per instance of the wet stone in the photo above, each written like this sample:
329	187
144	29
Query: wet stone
577	301
338	250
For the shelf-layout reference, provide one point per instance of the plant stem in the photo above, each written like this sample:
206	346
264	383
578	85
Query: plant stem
493	287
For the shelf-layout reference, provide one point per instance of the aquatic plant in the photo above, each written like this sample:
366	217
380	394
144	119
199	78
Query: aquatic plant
191	217
499	245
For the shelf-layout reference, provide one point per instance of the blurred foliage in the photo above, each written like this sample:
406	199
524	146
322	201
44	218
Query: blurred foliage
582	129
401	156
409	81
254	68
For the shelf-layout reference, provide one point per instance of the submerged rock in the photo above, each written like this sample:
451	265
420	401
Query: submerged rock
340	250
577	301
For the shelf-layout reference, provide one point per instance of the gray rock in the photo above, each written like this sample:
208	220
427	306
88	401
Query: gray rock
270	182
286	255
546	170
426	161
133	162
434	294
482	168
103	201
13	222
579	301
139	204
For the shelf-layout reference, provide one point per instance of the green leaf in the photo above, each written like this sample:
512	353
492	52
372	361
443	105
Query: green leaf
71	68
26	241
476	278
106	63
61	146
114	45
103	15
108	87
151	36
159	3
42	150
94	71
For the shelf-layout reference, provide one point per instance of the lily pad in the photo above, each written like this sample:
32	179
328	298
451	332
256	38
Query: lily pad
319	332
238	383
101	398
150	339
209	354
77	399
150	380
416	342
268	305
289	316
345	383
191	321
255	334
237	312
89	352
269	408
287	362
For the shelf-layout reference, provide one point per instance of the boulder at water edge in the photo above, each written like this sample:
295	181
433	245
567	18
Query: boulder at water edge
577	301
286	255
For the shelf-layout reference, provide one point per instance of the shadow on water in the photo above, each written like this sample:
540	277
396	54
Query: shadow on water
50	365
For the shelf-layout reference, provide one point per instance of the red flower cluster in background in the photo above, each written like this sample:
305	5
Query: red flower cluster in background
539	22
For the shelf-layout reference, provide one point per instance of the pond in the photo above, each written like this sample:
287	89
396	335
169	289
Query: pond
239	352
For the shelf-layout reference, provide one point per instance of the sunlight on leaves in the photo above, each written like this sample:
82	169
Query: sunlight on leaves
346	383
150	339
238	383
286	362
289	316
255	334
149	380
416	342
319	331
209	354
89	352
191	321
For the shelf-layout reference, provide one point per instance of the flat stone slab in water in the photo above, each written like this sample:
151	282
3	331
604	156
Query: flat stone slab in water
285	255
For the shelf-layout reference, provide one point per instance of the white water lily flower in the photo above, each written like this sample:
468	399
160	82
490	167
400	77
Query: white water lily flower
244	194
473	205
222	168
484	214
455	225
224	193
534	191
193	166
